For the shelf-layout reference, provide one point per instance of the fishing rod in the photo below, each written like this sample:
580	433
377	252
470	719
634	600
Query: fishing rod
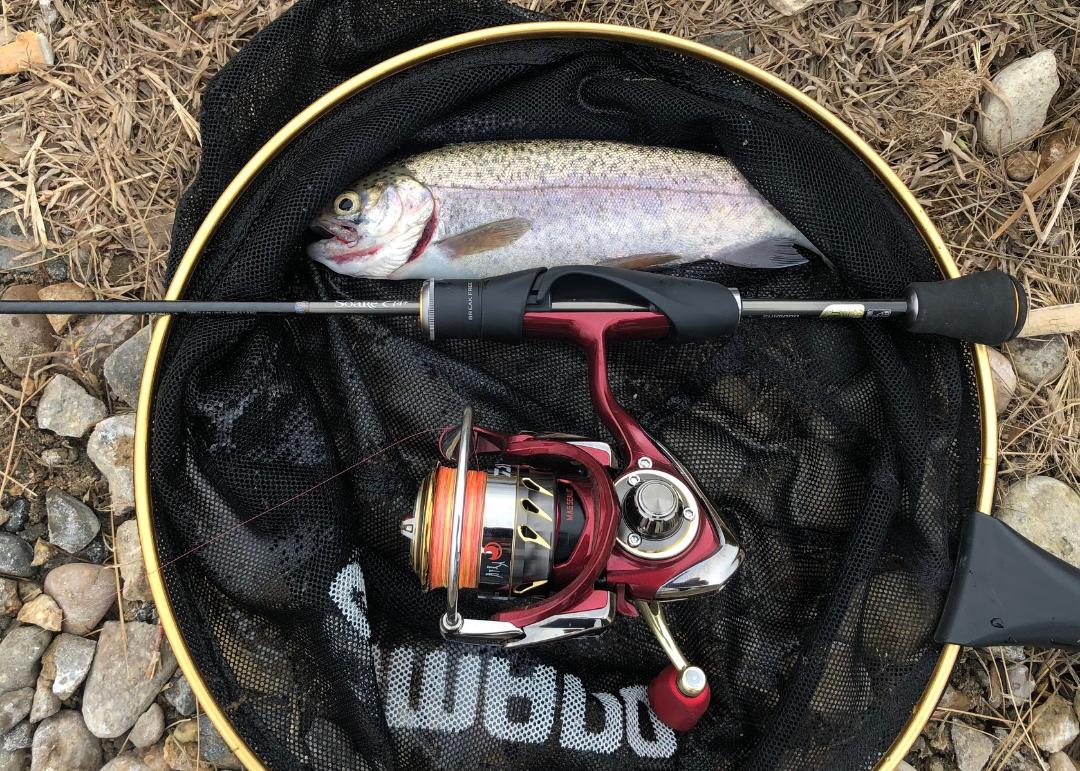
987	307
585	530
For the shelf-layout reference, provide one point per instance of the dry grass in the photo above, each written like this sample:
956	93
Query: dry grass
97	149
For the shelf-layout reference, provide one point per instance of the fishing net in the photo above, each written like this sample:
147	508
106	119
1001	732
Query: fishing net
842	454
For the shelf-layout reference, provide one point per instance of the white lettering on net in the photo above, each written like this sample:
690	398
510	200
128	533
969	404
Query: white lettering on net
449	690
574	734
537	688
664	745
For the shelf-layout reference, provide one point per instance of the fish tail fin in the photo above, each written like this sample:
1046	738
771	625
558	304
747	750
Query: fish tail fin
772	253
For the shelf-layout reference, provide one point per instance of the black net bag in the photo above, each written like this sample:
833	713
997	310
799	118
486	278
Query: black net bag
283	452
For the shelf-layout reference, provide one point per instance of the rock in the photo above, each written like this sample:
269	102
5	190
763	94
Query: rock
124	367
14	707
72	524
46	703
59	456
28	590
67	662
790	7
111	447
96	552
45	551
42	611
732	41
1020	686
154	758
1047	512
10	256
20	759
185	731
1059	761
1054	146
180	696
93	339
24	338
84	592
9	597
141	611
19	738
213	747
1004	377
130	560
972	747
148	728
184	756
20	652
66	409
955	700
63	743
1022	165
1038	360
1013	653
65	291
903	765
1016	108
119	689
1054	724
129	761
19	515
16	556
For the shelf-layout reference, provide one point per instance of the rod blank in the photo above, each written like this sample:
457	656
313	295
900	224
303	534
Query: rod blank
213	307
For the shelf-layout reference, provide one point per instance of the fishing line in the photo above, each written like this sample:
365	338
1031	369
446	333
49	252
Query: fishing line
297	496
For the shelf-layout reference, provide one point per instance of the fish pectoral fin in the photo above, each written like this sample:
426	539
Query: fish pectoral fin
493	235
642	261
773	253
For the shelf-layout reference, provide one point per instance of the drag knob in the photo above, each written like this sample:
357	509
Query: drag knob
655	510
679	699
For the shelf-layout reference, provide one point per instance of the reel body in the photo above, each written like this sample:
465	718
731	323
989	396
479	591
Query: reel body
585	530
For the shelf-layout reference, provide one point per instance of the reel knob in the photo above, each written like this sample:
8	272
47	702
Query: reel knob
656	505
680	698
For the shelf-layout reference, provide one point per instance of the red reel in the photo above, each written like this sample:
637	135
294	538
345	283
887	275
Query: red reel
556	519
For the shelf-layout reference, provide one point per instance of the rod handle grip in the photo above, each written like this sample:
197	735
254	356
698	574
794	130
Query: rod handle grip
986	307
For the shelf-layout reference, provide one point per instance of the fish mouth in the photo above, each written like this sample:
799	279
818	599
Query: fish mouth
345	233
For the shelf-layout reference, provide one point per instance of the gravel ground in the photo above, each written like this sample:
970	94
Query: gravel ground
95	150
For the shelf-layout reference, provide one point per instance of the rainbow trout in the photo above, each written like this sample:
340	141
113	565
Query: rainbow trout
477	210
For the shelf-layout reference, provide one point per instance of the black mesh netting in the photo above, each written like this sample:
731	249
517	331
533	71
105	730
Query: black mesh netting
840	453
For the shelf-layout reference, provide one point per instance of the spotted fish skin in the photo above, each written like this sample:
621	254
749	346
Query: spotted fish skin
482	209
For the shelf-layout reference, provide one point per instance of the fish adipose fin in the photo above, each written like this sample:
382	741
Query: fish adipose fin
493	235
774	253
642	261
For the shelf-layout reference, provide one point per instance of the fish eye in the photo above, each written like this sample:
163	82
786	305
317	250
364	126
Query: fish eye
347	202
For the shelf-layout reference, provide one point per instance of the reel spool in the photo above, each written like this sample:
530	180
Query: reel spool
520	529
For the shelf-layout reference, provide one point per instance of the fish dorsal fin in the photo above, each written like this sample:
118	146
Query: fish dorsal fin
642	261
484	238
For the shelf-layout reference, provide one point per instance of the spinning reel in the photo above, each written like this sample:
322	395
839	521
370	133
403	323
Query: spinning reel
556	517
